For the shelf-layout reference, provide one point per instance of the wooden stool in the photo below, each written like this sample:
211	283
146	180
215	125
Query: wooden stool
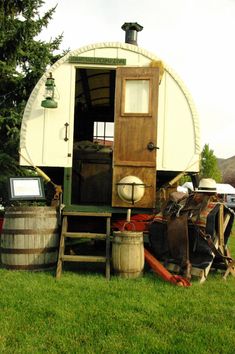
84	235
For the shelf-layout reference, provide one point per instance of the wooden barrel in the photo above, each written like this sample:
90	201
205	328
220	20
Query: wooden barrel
30	238
128	254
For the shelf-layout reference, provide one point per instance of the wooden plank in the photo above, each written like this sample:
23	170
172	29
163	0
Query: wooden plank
226	220
95	259
221	226
138	164
85	213
84	235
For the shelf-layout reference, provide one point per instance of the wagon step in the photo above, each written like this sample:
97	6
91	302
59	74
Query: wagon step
72	258
84	235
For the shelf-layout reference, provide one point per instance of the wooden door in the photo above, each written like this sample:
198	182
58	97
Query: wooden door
135	132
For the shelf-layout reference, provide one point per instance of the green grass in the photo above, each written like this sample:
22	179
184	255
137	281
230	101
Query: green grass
84	313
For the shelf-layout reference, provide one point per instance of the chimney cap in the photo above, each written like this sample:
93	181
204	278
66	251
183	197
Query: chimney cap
132	26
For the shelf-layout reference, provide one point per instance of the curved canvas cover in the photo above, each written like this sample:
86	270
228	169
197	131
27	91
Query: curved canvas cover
44	131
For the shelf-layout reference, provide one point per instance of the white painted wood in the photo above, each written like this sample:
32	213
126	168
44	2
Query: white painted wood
43	130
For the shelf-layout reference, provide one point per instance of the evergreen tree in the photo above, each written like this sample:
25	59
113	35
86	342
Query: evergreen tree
23	60
209	164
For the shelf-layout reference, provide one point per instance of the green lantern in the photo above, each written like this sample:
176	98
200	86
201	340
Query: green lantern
49	102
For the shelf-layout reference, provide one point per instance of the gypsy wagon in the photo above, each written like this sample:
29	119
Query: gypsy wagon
116	125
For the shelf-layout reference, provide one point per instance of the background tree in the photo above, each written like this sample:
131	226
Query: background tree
23	60
229	176
208	168
209	165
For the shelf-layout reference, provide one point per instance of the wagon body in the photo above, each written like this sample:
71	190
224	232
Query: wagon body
117	120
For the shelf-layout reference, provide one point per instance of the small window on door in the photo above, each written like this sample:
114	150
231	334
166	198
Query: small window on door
103	133
136	100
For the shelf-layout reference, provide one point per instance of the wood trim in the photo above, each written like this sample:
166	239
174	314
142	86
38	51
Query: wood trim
85	213
136	115
84	235
226	220
119	162
67	193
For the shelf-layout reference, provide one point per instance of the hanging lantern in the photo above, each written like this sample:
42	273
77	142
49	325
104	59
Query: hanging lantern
49	102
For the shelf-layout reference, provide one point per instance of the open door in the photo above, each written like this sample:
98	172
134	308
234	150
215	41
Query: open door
135	137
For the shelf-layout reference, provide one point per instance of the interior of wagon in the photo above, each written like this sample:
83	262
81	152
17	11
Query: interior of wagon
93	136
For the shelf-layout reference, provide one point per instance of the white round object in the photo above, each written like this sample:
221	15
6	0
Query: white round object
132	191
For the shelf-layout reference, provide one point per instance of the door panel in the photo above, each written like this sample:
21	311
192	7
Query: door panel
149	179
136	103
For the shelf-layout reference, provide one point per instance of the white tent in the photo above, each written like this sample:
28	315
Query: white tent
222	188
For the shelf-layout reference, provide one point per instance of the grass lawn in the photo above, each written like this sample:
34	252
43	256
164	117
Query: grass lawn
84	313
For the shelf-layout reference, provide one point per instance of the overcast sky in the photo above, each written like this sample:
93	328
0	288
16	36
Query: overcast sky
196	38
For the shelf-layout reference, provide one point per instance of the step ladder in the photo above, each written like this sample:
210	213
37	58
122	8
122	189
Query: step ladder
62	257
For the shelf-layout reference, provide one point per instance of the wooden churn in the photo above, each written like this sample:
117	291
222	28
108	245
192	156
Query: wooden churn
30	238
128	253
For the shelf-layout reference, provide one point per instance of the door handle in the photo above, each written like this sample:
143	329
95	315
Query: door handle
66	132
151	146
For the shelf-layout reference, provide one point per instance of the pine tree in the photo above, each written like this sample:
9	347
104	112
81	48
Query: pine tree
209	164
23	60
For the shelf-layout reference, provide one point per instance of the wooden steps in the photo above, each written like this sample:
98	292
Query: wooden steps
89	216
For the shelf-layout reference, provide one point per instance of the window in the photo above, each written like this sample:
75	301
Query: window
136	97
103	133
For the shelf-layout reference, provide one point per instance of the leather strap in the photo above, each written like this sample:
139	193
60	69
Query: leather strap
208	239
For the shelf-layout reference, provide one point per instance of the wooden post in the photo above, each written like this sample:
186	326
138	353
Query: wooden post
221	228
61	249
107	269
67	186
